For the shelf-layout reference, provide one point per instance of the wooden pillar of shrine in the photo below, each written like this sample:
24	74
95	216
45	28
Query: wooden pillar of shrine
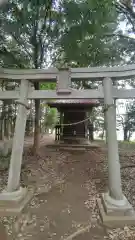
61	124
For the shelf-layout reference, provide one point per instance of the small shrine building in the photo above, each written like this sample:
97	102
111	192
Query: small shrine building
74	124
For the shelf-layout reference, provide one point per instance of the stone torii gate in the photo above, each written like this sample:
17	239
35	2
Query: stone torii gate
114	207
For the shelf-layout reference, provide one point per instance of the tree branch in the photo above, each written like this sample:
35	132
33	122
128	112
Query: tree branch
127	11
5	51
47	13
21	44
120	36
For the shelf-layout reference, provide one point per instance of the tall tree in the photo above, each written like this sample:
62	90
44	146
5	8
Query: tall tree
76	33
126	33
86	25
32	28
127	120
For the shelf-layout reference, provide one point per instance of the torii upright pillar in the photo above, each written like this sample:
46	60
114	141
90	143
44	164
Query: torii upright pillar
114	208
14	198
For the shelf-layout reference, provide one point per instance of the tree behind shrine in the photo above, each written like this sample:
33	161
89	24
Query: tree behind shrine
37	33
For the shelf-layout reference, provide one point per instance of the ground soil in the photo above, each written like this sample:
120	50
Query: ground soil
67	186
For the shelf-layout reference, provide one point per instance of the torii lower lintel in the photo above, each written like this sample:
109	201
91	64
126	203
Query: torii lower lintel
74	94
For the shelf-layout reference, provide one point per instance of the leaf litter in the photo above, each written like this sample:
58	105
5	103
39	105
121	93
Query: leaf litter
51	169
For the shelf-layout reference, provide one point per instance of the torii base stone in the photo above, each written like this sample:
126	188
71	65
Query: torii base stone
11	204
114	216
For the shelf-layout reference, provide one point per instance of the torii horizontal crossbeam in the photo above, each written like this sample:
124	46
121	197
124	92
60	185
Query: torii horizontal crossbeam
52	74
75	94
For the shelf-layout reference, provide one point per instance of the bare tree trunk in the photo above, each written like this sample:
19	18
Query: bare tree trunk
2	130
129	135
125	134
37	123
91	132
2	127
103	133
28	127
12	127
6	128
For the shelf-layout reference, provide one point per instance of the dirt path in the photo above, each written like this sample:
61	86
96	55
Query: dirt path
72	204
67	186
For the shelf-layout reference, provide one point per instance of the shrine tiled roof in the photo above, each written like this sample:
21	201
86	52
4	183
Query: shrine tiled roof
90	102
72	101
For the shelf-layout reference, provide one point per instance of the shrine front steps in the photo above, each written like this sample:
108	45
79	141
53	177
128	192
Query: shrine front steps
73	147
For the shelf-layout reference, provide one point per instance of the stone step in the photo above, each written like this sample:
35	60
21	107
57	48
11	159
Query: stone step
72	149
75	146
